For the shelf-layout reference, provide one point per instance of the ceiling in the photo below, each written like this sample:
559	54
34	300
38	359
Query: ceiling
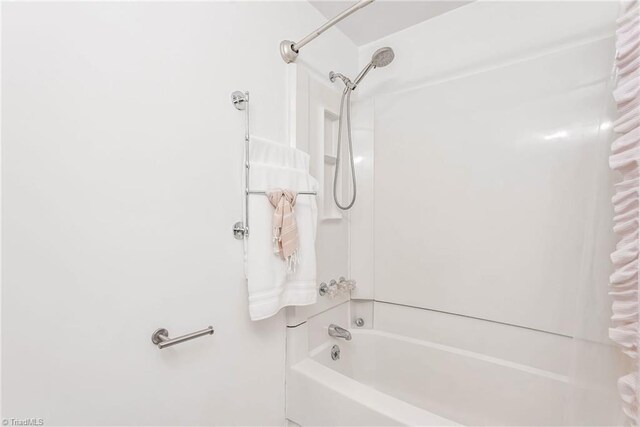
381	17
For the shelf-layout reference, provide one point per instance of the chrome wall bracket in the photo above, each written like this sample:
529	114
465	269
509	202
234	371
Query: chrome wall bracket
239	230
240	99
160	335
287	52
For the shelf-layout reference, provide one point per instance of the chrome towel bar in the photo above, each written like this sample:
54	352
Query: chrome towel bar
161	337
310	193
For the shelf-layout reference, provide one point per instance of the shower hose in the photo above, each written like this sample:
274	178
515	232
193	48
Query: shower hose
346	95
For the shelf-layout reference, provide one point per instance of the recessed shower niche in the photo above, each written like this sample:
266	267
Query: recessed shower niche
330	138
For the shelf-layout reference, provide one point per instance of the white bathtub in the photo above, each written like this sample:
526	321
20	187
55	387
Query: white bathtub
387	379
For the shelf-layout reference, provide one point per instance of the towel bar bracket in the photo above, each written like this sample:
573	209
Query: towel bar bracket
240	99
239	230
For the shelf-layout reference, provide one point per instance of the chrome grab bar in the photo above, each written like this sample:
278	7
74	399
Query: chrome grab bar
161	337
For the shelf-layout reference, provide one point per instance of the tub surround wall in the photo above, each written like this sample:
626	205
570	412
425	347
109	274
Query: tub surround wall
121	168
491	223
487	151
484	35
496	171
549	352
361	216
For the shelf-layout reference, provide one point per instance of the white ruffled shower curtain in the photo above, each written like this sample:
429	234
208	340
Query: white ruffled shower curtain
625	158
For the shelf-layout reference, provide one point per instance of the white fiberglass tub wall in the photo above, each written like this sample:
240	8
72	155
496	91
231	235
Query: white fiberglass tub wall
491	139
492	202
503	174
501	166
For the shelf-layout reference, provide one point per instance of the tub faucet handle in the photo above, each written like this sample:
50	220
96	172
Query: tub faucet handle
346	285
330	290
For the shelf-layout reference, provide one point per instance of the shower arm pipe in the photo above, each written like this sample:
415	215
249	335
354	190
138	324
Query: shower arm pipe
289	50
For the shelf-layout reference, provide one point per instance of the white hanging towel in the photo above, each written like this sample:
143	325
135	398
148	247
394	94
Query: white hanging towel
275	154
271	286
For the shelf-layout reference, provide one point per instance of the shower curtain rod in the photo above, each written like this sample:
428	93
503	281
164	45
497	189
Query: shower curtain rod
289	50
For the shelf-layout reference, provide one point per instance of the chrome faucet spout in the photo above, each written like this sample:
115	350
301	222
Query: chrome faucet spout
338	332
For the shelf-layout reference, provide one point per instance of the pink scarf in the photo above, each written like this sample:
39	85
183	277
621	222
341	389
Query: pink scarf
285	230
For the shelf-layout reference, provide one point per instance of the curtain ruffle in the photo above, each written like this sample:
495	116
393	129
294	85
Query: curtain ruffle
625	158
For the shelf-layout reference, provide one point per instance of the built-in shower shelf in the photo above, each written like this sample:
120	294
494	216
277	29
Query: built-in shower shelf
333	216
329	209
330	159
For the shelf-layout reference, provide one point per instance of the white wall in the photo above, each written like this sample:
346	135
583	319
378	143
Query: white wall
121	168
491	176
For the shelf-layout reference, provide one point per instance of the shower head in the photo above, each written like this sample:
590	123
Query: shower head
381	58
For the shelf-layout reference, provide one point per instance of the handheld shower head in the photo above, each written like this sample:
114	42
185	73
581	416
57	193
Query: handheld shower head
381	58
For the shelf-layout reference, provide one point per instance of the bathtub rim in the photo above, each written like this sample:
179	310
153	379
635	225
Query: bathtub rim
315	352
